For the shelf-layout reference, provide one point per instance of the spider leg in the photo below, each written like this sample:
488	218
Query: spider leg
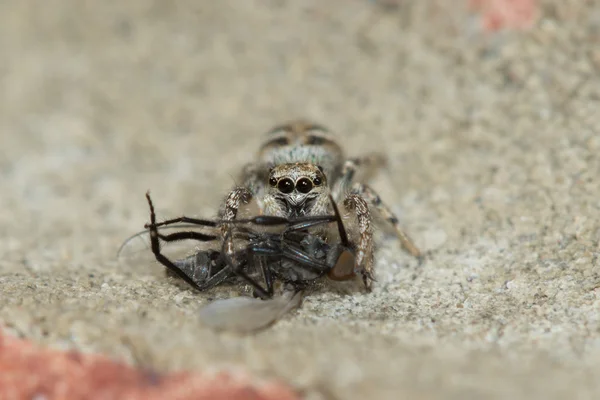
351	166
236	198
375	201
349	170
364	249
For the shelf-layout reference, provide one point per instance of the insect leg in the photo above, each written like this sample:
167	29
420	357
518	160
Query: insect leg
293	224
266	271
187	220
303	259
239	271
237	268
343	269
340	268
214	280
155	246
183	219
186	235
217	278
308	222
259	254
340	223
224	273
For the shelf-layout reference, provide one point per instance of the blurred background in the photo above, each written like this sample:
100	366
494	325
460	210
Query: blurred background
487	110
100	102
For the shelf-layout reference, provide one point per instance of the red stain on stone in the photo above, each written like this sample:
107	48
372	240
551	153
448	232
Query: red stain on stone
505	14
31	372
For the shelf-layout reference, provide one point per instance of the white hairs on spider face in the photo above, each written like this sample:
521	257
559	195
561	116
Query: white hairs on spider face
246	314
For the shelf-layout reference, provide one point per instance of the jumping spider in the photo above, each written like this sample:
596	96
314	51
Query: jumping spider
299	166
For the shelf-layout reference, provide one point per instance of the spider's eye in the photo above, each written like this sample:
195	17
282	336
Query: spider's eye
304	185
273	182
285	185
317	181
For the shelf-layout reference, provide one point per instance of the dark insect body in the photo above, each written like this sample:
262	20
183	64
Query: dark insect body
291	255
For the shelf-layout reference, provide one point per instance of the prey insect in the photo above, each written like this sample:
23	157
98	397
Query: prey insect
290	254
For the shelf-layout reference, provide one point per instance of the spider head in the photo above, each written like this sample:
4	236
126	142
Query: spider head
296	189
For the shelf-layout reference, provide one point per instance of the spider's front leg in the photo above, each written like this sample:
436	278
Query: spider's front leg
363	262
367	164
367	193
252	182
349	170
236	198
359	199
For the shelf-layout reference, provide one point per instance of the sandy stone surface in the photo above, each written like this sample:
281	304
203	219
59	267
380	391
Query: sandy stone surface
493	144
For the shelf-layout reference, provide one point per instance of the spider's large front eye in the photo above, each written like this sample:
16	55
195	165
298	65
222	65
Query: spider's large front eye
285	185
304	185
273	182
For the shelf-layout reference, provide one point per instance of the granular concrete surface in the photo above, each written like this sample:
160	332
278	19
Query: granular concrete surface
492	139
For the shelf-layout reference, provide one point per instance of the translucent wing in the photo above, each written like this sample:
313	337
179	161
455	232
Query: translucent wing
245	314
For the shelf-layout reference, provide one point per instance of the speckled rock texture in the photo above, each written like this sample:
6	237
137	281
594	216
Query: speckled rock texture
493	141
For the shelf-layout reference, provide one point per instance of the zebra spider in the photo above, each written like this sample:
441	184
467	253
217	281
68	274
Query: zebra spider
299	166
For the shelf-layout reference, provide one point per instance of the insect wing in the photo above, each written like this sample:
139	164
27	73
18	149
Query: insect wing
245	314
